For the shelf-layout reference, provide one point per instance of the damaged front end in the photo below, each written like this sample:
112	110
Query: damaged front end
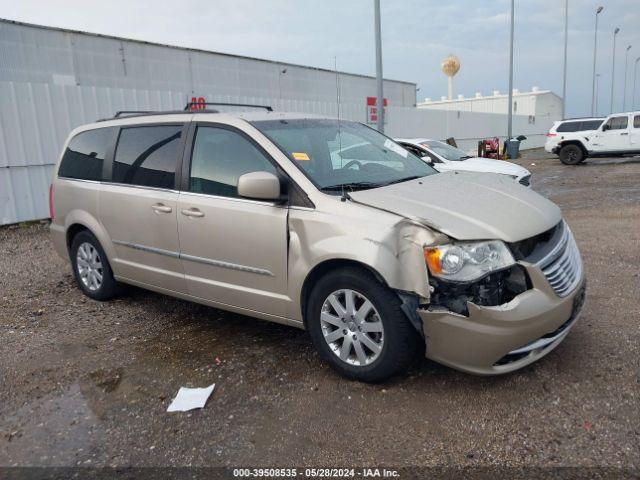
494	289
509	317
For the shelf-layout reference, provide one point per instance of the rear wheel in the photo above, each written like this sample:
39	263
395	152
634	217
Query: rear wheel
91	268
571	154
358	327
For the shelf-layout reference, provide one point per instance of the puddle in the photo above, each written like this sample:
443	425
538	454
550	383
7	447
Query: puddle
54	430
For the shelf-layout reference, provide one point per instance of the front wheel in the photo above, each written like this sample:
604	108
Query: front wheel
571	154
357	325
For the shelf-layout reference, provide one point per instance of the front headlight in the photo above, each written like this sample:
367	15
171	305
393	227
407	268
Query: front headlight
466	261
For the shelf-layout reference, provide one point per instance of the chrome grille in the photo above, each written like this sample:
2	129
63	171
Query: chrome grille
562	266
526	180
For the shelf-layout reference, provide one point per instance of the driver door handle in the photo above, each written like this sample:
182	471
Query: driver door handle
624	133
161	208
193	212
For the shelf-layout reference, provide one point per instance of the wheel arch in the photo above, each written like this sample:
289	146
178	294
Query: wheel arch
325	267
80	220
574	142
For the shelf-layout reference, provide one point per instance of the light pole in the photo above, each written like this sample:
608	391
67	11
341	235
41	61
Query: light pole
613	66
380	93
624	92
564	63
635	74
597	78
595	48
510	111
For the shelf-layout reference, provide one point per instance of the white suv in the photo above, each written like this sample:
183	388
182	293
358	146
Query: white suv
617	134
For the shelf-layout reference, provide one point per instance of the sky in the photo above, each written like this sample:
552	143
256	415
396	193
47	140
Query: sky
416	36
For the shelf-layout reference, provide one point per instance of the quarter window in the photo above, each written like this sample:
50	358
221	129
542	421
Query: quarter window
147	156
636	121
219	158
617	123
569	127
591	124
85	155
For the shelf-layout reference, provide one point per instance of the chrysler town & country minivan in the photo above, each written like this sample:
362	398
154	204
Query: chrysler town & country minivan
371	250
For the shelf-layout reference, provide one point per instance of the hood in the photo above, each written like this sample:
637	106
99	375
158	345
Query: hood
487	165
467	206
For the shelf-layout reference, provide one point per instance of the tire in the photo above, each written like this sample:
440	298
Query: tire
91	268
385	324
571	154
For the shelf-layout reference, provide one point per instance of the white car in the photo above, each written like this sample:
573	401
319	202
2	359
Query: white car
617	134
569	128
445	158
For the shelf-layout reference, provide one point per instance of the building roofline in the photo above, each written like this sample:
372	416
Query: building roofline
488	97
190	49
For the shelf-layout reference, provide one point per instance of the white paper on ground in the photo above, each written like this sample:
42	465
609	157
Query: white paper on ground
190	398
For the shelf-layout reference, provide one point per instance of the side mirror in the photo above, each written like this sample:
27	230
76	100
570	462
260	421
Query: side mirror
259	185
605	127
427	159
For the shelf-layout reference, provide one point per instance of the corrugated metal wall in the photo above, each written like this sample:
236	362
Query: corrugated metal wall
35	54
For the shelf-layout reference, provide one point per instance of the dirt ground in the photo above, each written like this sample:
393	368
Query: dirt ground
88	383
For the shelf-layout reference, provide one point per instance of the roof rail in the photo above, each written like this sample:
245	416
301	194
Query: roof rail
145	113
190	105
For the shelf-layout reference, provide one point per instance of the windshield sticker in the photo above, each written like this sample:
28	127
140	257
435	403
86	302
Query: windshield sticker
394	147
300	156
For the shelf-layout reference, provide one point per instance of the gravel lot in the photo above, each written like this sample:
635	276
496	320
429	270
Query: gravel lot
88	383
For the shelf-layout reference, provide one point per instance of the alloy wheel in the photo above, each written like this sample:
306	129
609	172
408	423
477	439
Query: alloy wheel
352	327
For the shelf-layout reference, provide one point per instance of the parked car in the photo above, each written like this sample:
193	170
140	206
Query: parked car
251	213
560	129
446	158
618	134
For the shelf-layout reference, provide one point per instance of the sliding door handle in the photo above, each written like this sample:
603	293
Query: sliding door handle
193	212
161	208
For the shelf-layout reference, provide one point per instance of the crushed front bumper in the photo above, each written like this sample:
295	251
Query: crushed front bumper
501	339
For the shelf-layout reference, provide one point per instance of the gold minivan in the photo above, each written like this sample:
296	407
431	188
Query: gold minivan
320	224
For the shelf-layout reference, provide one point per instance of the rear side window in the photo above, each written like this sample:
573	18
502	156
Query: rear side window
220	157
636	121
618	123
147	156
569	127
591	124
85	155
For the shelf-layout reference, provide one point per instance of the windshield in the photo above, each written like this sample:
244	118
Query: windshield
446	151
336	154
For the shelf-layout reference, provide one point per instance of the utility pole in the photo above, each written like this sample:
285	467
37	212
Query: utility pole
380	93
564	63
613	66
510	111
624	92
595	48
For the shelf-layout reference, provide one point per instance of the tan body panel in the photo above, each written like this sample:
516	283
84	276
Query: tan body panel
235	252
144	237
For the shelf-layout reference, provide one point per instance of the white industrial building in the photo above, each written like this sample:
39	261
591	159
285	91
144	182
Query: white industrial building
52	80
538	105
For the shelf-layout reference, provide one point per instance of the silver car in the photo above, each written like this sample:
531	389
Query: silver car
370	249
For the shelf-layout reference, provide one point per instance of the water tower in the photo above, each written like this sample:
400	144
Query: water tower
450	66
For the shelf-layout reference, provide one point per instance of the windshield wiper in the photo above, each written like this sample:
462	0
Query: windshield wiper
465	157
414	177
351	185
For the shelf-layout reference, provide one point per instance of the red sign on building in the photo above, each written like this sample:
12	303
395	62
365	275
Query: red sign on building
197	103
372	110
